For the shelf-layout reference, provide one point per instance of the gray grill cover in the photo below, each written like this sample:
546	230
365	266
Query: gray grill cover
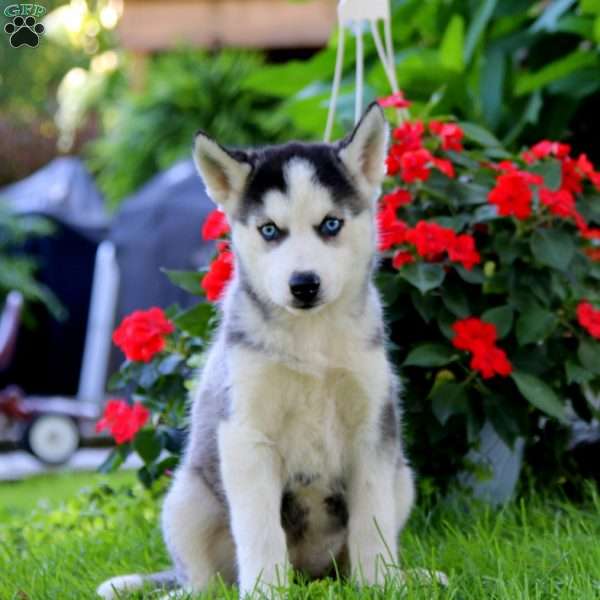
159	226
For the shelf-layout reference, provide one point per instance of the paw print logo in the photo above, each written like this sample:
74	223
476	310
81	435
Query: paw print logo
24	32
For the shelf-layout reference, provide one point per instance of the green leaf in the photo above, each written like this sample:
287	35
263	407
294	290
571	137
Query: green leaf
485	213
148	445
149	375
451	46
423	276
577	25
553	247
579	59
479	135
493	73
539	394
455	300
478	24
196	320
502	418
188	281
445	320
550	170
590	6
425	305
115	459
430	355
447	399
529	115
576	373
475	275
589	355
534	324
169	364
502	317
388	286
287	79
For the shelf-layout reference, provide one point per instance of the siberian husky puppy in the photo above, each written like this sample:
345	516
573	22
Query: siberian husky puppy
294	455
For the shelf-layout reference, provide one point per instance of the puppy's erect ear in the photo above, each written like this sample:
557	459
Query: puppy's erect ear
224	172
364	150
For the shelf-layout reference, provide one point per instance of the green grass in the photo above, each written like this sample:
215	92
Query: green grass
44	491
539	548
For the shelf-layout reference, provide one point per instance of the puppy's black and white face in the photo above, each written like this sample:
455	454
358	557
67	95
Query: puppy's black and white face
302	215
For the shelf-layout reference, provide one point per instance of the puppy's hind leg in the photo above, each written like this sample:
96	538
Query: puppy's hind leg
196	530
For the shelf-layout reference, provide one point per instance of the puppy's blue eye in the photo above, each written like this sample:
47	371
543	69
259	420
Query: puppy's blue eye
270	231
330	226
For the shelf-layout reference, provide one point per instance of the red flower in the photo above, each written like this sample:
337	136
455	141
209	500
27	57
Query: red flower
392	161
219	274
589	318
471	333
123	420
215	225
584	165
430	239
570	177
462	249
592	233
490	361
408	136
142	334
544	149
479	338
586	168
445	166
560	203
512	195
504	166
593	254
391	229
396	199
396	100
401	258
413	165
450	134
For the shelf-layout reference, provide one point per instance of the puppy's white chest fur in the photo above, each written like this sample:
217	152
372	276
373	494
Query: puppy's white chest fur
310	424
317	421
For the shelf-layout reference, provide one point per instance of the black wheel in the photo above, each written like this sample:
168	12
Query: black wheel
53	439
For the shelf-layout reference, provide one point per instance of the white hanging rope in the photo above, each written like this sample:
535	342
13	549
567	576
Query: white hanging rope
387	60
387	67
389	46
335	87
352	14
360	65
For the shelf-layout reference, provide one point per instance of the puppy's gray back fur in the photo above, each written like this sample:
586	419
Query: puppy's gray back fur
210	405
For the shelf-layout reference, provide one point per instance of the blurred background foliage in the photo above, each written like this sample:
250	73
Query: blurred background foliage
148	129
17	269
76	32
525	70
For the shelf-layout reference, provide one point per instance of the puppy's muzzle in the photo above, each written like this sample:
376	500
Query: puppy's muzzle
304	286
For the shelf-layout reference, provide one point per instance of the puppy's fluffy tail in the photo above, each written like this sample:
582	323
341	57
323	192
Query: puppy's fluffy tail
113	588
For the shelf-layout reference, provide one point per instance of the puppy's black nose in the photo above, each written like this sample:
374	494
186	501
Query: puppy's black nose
304	286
